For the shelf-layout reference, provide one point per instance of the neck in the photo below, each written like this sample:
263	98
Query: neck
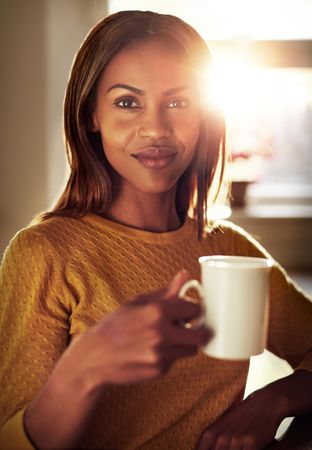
145	211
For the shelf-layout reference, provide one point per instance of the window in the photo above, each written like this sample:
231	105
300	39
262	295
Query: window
263	56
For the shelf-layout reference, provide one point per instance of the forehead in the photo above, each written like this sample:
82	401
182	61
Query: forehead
149	65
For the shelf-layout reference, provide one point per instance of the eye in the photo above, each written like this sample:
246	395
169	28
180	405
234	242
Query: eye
179	103
127	103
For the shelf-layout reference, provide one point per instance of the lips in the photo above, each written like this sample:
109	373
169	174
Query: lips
156	157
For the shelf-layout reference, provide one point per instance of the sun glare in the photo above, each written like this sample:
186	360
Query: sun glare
253	98
230	83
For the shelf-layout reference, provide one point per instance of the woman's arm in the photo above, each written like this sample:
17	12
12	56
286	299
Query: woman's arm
57	384
34	327
292	395
58	415
136	343
253	424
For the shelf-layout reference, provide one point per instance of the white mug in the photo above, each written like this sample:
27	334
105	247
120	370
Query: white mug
235	295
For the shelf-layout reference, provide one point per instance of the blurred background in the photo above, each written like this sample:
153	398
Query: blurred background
262	78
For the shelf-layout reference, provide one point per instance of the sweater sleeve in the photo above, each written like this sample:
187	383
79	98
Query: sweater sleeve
290	322
34	317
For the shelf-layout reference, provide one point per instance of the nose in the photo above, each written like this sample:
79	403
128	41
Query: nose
154	125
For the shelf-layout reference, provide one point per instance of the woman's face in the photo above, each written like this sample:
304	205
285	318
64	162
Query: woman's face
147	111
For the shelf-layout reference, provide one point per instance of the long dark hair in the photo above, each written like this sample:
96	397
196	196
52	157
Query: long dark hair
89	186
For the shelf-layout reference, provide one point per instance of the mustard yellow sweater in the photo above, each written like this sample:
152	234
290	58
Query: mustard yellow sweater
64	275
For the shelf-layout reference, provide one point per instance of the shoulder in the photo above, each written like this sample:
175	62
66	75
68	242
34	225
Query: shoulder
226	230
48	231
44	240
226	226
239	241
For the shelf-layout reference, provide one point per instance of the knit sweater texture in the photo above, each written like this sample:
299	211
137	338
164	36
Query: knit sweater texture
64	275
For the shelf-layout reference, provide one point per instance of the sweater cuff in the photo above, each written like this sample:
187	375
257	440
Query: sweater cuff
13	435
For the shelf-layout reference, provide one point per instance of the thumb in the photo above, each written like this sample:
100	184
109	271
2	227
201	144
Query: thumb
176	284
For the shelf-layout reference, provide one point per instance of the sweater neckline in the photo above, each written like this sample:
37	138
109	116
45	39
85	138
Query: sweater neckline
151	237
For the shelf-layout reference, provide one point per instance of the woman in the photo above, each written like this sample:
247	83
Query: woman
94	352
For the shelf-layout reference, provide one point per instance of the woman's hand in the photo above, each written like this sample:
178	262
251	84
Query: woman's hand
139	341
253	423
250	425
136	343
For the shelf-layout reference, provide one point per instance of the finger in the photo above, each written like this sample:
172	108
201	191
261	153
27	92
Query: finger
223	443
249	443
153	296
179	336
206	441
176	352
236	444
176	284
178	309
171	290
173	311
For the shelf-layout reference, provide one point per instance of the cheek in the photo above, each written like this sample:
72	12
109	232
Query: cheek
116	135
189	135
187	129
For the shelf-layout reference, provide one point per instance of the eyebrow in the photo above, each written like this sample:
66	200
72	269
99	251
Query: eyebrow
141	92
128	87
176	89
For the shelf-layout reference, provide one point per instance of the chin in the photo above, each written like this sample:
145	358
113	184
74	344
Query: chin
156	188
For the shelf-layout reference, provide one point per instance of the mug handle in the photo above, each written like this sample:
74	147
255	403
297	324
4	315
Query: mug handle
196	285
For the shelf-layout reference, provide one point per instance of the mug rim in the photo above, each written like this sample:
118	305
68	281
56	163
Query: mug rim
236	262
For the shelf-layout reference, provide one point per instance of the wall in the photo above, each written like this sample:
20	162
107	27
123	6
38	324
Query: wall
38	40
288	240
22	115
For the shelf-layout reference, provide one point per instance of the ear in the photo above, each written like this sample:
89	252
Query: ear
94	122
